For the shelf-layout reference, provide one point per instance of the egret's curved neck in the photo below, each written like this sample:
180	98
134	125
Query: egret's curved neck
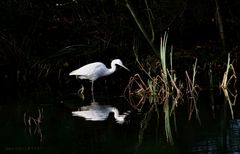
119	118
116	112
112	69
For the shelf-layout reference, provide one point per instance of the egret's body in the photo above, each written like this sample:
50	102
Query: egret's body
93	71
96	112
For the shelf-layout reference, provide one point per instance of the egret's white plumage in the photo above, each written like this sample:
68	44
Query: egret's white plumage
95	70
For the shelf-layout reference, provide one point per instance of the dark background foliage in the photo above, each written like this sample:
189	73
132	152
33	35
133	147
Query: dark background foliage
42	41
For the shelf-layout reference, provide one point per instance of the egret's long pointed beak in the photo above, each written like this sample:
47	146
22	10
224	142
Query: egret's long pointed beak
125	67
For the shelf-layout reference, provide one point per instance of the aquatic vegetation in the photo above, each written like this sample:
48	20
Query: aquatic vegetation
192	91
136	92
161	89
152	91
230	95
149	40
30	121
81	92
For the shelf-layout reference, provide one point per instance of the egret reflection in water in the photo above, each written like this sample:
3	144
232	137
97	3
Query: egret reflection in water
97	112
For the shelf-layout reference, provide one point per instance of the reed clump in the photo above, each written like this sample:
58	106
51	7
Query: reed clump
162	88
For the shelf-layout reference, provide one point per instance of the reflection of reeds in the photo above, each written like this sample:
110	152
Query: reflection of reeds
81	92
192	93
144	124
230	96
28	120
211	90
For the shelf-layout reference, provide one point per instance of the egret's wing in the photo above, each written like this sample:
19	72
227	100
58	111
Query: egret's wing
88	115
86	69
91	115
89	71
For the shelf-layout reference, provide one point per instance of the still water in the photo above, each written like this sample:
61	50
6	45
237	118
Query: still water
51	125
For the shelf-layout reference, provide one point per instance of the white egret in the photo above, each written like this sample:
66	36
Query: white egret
96	112
95	70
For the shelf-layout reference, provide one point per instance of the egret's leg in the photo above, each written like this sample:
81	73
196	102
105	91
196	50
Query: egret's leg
92	87
92	92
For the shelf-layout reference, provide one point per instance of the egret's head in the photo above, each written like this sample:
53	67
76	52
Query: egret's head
119	62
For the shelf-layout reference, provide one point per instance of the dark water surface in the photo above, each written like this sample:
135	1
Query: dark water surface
46	125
